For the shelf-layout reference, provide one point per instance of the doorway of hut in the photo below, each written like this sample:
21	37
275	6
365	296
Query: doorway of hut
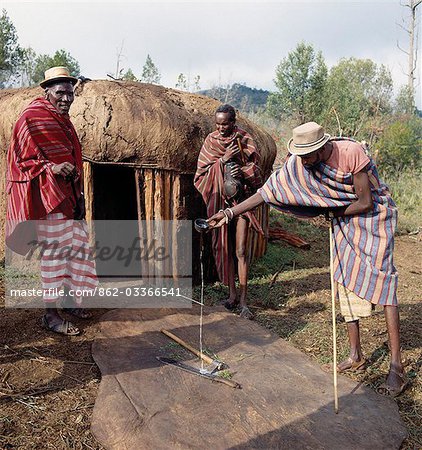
116	216
114	192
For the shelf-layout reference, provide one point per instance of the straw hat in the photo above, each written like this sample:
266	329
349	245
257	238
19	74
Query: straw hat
57	74
307	138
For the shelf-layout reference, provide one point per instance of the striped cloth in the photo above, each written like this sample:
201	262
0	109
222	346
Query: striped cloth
363	244
41	137
209	182
66	259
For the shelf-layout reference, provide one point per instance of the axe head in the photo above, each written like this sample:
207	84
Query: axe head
214	367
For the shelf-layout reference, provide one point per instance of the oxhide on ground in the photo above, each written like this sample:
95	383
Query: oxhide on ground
286	400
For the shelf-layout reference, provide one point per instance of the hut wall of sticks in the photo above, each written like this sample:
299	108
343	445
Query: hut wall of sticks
140	147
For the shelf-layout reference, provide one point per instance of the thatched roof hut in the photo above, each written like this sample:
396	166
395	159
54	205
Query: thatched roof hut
140	146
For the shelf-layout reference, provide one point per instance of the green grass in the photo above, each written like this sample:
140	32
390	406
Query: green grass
406	190
275	257
290	262
226	374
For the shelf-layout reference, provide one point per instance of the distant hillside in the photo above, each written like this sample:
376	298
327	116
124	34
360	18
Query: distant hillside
241	97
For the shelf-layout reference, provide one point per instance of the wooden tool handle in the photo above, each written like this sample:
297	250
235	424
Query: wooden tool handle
231	383
196	352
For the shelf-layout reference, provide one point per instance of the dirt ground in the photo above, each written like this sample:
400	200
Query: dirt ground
48	383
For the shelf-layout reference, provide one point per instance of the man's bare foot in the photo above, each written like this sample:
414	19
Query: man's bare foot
245	312
53	322
80	313
395	383
73	307
395	376
230	304
52	316
351	364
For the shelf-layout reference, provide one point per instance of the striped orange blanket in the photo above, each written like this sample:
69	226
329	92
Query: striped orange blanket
363	244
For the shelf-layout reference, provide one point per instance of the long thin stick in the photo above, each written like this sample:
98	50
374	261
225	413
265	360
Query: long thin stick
201	257
333	309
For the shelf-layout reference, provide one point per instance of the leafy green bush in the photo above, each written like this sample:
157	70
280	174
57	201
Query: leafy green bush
400	145
405	187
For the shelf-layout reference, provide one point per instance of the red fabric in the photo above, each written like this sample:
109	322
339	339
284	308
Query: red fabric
209	182
40	137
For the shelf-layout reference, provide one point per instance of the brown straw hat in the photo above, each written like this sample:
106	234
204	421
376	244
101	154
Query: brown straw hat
307	138
57	74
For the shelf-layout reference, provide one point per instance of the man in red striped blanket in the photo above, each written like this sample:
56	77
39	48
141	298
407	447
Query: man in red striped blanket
335	176
44	195
229	144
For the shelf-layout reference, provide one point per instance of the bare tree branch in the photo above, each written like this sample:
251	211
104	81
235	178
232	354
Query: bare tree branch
403	28
401	68
340	131
119	60
416	49
403	50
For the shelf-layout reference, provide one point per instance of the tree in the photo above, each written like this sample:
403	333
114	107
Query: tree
129	75
182	82
28	66
119	55
300	82
196	85
10	51
411	30
404	103
150	73
246	99
400	145
60	58
358	97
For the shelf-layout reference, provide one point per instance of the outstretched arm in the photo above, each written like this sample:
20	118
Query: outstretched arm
364	202
218	219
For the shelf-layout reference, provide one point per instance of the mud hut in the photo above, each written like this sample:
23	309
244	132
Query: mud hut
140	146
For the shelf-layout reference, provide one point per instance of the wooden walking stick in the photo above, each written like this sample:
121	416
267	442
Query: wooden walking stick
333	308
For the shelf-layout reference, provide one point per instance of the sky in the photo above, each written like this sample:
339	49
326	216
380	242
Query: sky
223	42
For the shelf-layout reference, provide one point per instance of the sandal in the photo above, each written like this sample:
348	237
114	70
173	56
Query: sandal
389	391
354	365
246	313
231	306
63	327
